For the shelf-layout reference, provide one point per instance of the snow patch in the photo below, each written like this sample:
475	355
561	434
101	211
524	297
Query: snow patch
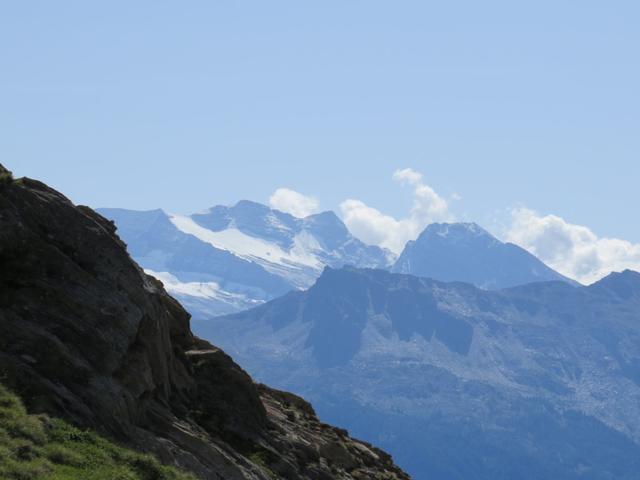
246	246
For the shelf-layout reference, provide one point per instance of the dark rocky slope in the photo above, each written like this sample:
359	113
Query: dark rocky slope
86	335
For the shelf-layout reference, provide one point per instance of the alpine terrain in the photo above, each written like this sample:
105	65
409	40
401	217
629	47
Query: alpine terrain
228	259
457	382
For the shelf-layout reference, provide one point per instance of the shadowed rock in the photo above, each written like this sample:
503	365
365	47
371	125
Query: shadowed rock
85	334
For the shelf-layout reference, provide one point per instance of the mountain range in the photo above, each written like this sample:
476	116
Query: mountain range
457	382
465	357
228	259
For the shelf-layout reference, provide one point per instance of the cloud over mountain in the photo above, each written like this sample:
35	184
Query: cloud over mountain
295	203
573	250
373	226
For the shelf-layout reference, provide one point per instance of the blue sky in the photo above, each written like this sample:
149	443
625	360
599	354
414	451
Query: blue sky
184	105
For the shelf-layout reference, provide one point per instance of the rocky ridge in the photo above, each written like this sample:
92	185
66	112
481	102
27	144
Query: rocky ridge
86	335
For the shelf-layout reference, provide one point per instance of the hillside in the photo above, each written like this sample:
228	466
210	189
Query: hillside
87	336
37	446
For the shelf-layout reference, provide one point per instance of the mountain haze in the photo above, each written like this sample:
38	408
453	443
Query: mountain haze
228	259
466	252
232	258
536	381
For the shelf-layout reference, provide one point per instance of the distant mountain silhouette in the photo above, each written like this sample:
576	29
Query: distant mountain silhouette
229	259
535	381
233	258
466	252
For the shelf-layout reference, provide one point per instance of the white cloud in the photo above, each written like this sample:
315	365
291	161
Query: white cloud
295	203
573	250
374	227
408	175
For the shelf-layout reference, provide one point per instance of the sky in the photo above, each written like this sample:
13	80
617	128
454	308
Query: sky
521	116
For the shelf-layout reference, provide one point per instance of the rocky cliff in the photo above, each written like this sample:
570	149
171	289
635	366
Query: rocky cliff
86	335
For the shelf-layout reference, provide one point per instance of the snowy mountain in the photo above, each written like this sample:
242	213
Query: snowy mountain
232	258
296	249
466	252
537	381
228	259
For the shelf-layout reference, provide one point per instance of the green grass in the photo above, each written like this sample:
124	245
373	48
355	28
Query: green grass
36	447
261	458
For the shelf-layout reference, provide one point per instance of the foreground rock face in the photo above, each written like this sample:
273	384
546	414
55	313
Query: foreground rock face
86	335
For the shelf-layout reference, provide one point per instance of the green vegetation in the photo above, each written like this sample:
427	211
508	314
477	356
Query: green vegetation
262	458
36	447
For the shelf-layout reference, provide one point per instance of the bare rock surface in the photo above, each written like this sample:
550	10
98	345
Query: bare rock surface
86	335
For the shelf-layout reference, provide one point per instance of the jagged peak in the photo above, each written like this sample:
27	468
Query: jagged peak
246	205
326	219
627	274
329	273
619	281
250	204
467	252
239	205
328	215
456	229
248	209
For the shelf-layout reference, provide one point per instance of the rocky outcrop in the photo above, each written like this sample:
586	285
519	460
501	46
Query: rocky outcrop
85	334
